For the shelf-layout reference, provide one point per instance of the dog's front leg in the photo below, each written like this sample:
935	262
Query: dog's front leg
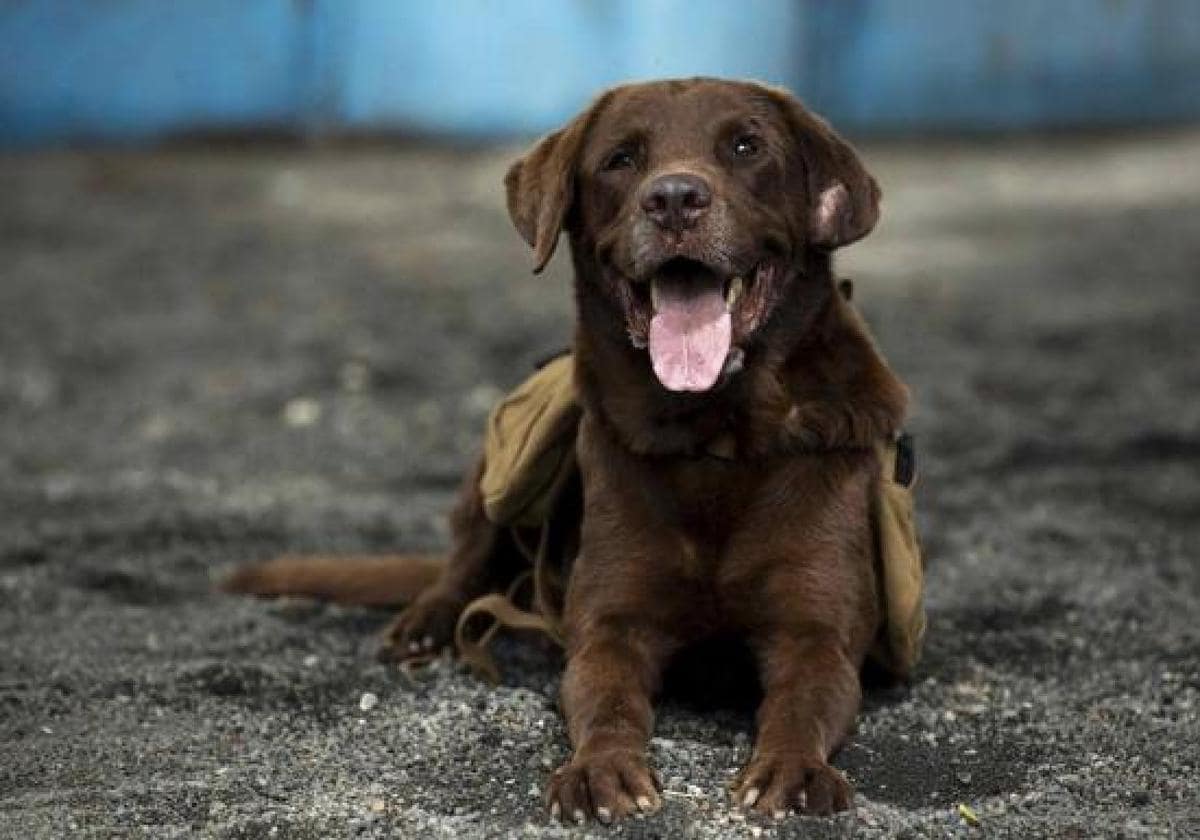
612	675
811	697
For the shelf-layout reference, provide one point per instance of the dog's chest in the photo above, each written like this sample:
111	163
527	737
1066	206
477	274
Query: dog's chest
704	500
728	511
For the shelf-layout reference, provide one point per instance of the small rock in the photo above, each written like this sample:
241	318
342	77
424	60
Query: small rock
301	412
368	701
482	398
355	376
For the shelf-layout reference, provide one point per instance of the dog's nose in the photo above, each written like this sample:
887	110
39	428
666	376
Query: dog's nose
676	201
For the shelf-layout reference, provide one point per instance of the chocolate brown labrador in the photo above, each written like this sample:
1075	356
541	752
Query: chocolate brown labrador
731	401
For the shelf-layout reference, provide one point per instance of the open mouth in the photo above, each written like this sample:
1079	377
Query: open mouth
689	317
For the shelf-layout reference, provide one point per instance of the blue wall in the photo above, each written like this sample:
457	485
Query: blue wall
1006	63
126	70
493	66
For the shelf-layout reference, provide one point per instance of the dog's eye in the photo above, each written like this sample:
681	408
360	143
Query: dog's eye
746	146
620	159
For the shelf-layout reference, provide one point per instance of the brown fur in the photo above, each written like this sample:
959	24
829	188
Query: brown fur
376	580
772	545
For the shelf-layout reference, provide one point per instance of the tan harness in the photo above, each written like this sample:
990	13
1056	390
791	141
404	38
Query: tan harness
529	454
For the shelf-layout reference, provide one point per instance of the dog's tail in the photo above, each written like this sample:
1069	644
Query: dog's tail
375	580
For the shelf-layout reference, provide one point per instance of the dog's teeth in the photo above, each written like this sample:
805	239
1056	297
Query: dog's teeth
735	292
654	294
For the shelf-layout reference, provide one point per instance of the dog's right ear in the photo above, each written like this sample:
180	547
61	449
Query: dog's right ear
541	186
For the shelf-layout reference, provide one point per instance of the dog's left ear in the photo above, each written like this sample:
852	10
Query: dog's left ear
541	186
843	198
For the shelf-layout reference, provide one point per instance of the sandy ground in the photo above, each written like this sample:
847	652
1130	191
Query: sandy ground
208	357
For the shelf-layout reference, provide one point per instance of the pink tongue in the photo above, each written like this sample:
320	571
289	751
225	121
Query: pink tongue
689	336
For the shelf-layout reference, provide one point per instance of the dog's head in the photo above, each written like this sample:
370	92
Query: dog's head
694	203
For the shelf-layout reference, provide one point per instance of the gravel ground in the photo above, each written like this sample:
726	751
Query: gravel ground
208	356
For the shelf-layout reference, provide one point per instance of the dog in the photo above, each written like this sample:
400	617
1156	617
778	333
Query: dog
731	403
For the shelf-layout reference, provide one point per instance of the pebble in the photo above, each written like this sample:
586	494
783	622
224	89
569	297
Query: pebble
355	377
368	701
301	412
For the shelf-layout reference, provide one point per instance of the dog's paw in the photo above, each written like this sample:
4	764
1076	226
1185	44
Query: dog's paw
423	629
775	785
606	787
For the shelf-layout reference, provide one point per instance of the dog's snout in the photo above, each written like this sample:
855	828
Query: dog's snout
676	201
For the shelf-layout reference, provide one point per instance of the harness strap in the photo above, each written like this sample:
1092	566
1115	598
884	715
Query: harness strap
500	612
540	587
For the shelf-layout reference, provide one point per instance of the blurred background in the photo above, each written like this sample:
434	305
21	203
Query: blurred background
258	291
129	70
